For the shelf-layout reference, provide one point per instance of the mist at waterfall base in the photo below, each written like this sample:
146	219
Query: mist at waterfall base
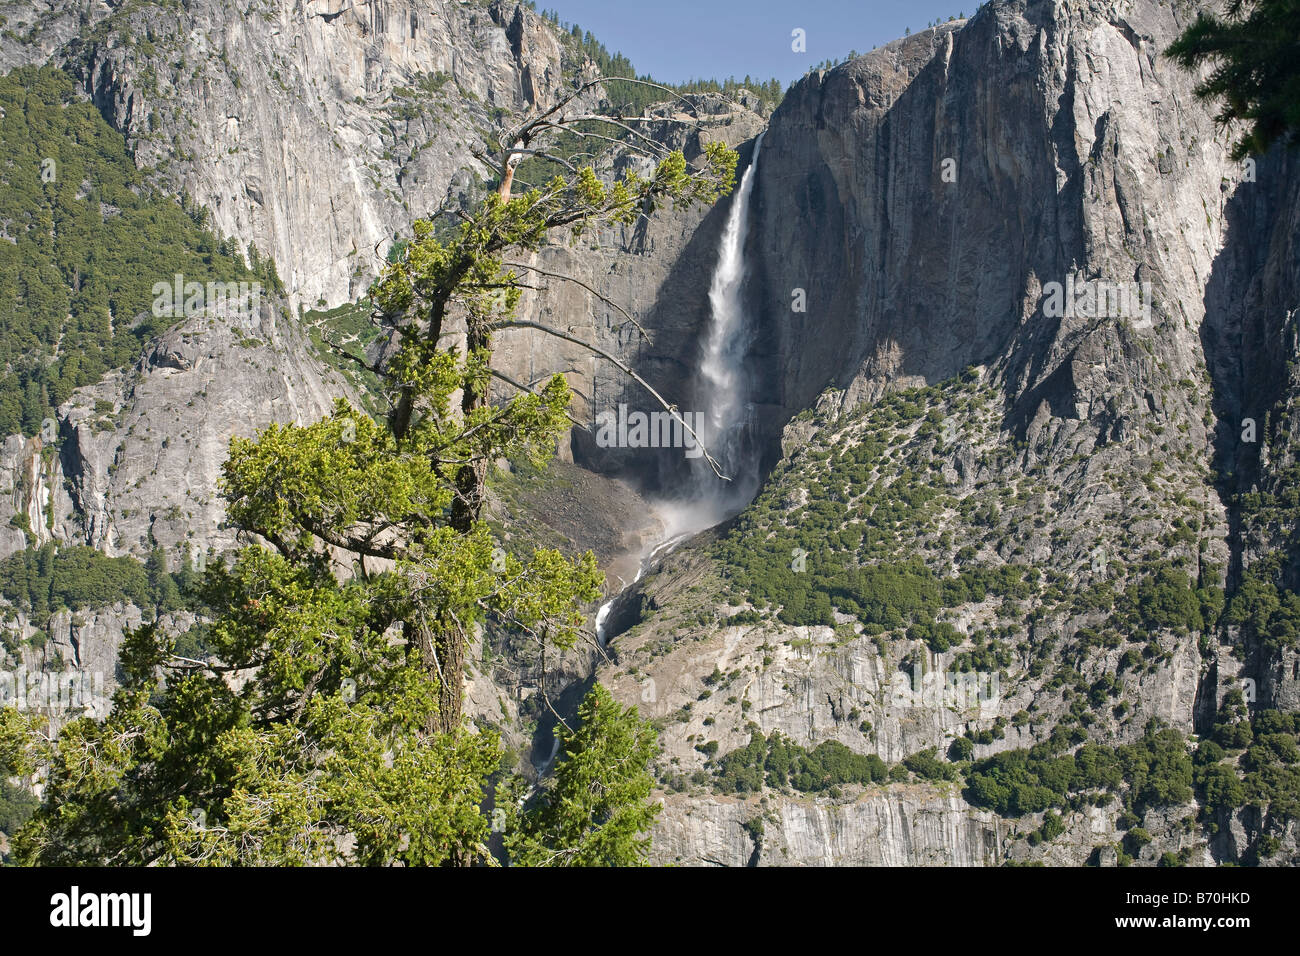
724	388
723	394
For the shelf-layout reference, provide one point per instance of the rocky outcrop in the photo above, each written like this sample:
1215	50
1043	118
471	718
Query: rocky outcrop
65	665
25	491
140	454
897	826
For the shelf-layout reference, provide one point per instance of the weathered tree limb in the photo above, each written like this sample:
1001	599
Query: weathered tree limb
622	366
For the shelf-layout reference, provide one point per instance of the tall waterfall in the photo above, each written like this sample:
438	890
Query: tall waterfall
724	389
723	395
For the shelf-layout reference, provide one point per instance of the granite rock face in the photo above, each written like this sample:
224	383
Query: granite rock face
139	455
956	172
905	826
315	130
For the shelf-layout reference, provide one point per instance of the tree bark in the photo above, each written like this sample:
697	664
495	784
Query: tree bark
471	482
450	644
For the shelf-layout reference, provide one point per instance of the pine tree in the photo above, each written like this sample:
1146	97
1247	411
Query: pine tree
596	811
1254	54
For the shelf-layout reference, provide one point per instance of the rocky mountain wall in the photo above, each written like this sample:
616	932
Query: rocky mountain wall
919	203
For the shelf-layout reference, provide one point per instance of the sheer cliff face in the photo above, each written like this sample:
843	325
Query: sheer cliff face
317	130
958	171
967	180
140	453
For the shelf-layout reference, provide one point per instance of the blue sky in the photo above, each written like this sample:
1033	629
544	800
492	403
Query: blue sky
677	40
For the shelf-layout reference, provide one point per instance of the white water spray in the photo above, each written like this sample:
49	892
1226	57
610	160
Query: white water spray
723	393
722	360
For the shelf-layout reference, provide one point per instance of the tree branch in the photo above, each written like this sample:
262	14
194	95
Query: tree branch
524	388
524	324
578	282
523	132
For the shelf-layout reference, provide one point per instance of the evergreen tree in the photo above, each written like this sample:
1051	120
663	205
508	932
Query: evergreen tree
597	811
1254	54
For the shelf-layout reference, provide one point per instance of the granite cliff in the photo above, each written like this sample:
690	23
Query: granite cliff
954	176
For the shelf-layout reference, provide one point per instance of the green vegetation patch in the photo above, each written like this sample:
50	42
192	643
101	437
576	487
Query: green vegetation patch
1154	771
43	580
348	327
779	763
82	242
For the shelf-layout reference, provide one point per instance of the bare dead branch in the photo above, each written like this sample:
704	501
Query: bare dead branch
542	154
622	366
658	148
521	133
588	134
578	282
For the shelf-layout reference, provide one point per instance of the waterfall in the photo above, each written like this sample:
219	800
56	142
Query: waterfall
724	390
723	395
